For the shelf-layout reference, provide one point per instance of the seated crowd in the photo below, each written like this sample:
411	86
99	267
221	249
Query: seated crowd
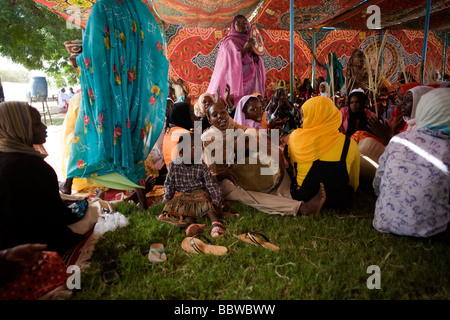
276	156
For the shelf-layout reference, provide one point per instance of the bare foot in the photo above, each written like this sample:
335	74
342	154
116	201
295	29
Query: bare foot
194	229
314	205
217	229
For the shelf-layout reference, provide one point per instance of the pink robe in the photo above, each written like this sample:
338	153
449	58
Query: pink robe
242	74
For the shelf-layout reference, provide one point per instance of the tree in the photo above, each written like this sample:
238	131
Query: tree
34	37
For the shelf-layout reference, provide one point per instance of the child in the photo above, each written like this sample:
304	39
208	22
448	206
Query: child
200	194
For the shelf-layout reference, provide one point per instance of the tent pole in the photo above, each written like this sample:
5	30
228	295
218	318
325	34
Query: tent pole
425	40
313	73
381	54
444	71
292	49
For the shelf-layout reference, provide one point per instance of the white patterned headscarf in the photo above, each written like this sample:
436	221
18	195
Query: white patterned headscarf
433	110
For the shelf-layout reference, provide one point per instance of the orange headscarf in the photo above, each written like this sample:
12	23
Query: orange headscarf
320	130
404	88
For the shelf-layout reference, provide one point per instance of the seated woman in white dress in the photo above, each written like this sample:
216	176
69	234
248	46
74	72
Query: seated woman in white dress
413	181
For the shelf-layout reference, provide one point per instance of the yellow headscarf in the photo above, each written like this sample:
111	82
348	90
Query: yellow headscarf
16	128
320	130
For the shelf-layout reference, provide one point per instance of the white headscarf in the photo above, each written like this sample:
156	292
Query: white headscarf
327	89
417	93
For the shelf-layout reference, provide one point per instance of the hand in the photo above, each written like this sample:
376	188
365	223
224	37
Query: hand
27	256
396	123
217	97
380	128
277	123
228	174
248	46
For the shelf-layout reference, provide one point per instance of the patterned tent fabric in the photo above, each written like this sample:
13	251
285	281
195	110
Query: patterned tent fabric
273	14
76	12
392	13
203	13
192	52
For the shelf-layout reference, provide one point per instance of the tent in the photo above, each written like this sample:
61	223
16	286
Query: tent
193	31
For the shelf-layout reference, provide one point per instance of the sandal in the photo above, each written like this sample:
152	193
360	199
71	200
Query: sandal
109	272
157	253
173	218
194	229
250	237
195	245
218	229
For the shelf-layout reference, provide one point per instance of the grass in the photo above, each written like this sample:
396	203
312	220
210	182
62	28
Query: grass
325	259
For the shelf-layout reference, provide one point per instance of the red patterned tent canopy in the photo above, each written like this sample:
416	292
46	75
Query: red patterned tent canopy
274	14
393	14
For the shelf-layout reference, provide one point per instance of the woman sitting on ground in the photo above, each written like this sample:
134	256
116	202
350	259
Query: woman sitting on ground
410	102
180	119
206	99
412	180
250	113
397	123
319	153
201	195
277	200
25	175
354	116
281	108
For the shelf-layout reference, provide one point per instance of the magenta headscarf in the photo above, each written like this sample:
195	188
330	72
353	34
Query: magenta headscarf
242	74
239	116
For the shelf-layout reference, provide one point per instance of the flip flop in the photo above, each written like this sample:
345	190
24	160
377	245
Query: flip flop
195	245
173	218
109	272
157	253
250	237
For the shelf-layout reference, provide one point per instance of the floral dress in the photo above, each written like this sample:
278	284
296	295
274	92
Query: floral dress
123	75
412	184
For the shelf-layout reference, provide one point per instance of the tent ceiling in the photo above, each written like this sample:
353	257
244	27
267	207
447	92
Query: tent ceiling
274	14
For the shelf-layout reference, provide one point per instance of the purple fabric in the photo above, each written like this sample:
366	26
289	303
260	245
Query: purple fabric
242	74
239	116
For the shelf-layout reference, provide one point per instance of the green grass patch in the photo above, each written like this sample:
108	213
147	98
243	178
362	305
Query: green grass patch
325	259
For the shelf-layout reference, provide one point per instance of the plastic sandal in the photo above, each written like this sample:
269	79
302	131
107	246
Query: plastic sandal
173	218
250	237
157	253
109	272
194	229
195	245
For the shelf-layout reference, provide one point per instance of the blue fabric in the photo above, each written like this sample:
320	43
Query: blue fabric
123	75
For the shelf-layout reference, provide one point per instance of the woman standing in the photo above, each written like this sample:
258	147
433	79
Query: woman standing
237	64
124	91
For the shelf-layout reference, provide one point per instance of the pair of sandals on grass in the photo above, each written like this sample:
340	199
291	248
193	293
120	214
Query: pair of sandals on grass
196	245
192	229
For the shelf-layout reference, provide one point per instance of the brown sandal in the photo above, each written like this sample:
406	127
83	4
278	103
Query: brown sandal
173	218
194	229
